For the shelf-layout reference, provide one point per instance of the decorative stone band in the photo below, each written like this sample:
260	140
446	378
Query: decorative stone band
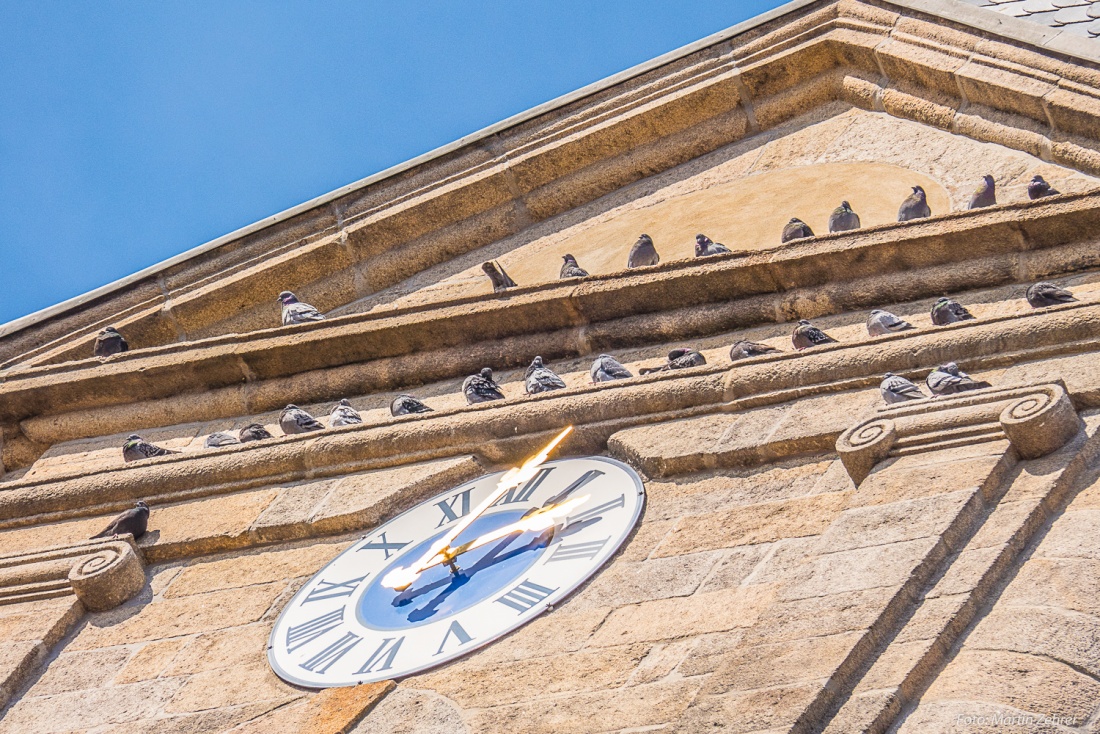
1036	420
101	573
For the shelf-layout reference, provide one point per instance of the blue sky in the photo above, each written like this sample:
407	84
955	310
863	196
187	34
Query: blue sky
130	132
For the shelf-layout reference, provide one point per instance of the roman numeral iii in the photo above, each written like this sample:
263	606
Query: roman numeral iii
525	596
578	551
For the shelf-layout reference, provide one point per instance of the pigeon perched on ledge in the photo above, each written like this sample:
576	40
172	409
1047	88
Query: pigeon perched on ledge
642	253
481	388
1038	188
843	218
806	335
221	438
985	194
1048	294
344	415
406	405
915	206
570	268
744	349
134	521
796	229
295	420
253	432
109	342
496	273
883	322
606	368
540	378
948	379
705	247
897	389
136	448
296	312
945	311
678	359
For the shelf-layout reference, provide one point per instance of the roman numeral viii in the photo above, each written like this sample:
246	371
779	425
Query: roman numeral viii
578	551
324	660
525	596
306	632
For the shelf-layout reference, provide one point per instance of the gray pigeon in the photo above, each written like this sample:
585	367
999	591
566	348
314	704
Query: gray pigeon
406	405
500	279
296	312
796	229
481	388
678	359
948	379
744	349
915	206
843	218
1047	294
134	521
985	194
806	335
221	438
1038	188
109	342
883	322
254	432
344	415
606	368
540	378
945	311
897	389
295	420
137	448
705	247
643	253
570	269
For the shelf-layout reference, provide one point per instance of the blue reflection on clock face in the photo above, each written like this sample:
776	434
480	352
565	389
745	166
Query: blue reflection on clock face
438	592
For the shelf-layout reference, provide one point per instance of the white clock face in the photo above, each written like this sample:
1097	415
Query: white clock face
347	626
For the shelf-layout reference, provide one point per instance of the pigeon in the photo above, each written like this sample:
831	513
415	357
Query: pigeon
295	420
897	389
948	379
296	312
915	206
481	388
253	432
406	404
214	440
137	448
745	349
109	342
945	311
344	415
540	378
705	247
806	335
642	253
1047	294
1038	188
678	359
796	229
500	279
606	368
570	269
843	218
134	521
985	194
883	322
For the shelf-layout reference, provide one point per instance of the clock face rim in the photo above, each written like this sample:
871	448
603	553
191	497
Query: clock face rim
551	601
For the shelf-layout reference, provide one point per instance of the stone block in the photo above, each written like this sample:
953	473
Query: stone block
750	711
201	526
1073	535
220	648
80	670
645	539
832	614
1070	583
150	661
253	567
897	522
85	710
794	661
623	583
707	653
288	514
47	620
250	681
934	618
555	632
1066	636
895	664
968	569
900	480
735	566
863	568
663	658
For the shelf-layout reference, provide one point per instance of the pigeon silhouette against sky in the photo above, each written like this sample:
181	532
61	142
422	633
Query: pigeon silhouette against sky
883	322
496	273
481	388
678	359
407	404
843	218
221	438
540	378
796	229
134	521
344	415
985	194
295	420
296	312
1047	294
1038	188
915	206
705	247
642	253
897	389
136	448
109	342
806	335
570	268
253	432
945	311
744	349
606	368
948	379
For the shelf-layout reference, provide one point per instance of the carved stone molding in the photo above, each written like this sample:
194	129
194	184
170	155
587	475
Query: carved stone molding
101	573
1036	420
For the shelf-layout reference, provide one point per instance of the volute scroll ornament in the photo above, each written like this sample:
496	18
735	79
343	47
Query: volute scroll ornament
864	445
106	578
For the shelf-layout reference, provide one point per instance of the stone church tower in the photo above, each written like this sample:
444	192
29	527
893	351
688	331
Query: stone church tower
809	558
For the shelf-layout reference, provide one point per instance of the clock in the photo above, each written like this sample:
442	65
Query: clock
456	572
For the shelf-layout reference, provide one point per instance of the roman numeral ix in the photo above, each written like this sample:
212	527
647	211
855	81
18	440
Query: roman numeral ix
596	512
333	589
383	545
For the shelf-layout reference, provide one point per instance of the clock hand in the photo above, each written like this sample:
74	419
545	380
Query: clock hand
402	577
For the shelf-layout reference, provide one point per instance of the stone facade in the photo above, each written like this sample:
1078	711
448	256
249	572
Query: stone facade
808	560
